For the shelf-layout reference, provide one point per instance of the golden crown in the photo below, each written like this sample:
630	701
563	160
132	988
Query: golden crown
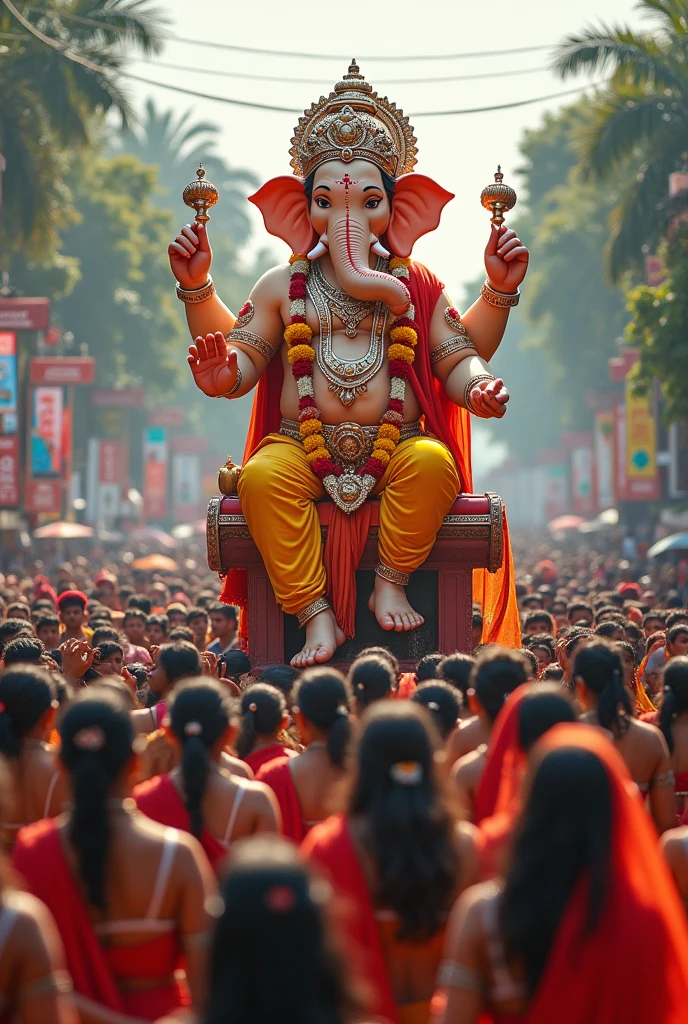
354	122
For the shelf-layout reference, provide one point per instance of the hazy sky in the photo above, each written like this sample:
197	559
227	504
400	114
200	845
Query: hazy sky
460	152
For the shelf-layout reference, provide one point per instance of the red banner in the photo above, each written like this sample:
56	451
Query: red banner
117	398
9	471
44	496
65	370
24	314
109	462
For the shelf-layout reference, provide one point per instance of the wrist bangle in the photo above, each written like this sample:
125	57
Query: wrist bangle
472	383
502	300
192	296
234	388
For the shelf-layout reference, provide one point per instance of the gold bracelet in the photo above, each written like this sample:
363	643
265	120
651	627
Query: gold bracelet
502	300
196	294
235	387
478	379
386	572
314	608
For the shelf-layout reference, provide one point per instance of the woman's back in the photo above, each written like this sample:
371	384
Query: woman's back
37	789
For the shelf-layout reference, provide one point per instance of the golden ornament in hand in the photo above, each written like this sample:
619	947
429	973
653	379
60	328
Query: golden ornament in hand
498	198
201	195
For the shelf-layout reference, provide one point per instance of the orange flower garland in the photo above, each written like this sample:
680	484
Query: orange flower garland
299	336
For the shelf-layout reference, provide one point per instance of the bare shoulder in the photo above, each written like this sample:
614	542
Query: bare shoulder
33	925
650	736
467	766
467	839
236	766
466	919
256	791
273	286
674	844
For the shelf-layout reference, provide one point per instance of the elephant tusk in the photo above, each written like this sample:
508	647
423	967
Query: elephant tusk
378	248
319	250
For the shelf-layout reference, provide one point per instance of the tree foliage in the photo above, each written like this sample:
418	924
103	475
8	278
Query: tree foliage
659	316
636	128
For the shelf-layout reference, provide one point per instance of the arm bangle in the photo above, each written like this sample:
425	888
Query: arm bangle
473	382
449	347
502	300
234	388
191	297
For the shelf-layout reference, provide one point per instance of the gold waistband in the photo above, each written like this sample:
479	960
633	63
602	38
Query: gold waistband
349	443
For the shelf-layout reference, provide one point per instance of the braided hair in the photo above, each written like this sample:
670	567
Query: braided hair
599	667
200	711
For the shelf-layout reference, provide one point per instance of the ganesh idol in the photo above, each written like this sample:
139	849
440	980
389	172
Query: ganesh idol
365	373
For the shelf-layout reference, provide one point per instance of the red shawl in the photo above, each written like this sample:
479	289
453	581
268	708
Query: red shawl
258	758
329	845
441	418
279	778
159	800
39	858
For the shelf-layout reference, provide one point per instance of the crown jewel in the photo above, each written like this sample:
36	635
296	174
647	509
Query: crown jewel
354	122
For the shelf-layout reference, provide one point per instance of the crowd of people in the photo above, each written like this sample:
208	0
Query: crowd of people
494	836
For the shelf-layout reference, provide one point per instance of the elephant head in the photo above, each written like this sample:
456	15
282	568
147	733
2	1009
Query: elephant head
355	212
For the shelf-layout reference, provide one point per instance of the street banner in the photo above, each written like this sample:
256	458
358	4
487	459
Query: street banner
582	481
45	442
8	374
155	473
9	471
604	459
66	370
640	453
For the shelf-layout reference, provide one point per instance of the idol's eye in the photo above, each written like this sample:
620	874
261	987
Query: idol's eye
373	204
323	203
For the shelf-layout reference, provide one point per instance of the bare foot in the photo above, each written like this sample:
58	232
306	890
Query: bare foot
323	637
389	605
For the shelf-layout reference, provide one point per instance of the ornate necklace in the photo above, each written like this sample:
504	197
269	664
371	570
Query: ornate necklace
347	489
346	378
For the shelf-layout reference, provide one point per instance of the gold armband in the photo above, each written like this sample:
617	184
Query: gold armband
472	383
449	347
253	341
197	294
502	300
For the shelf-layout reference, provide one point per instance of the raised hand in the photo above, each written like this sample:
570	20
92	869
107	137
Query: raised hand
488	399
77	658
190	256
506	259
213	365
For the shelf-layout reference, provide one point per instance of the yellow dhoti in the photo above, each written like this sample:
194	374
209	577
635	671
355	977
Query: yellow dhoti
278	491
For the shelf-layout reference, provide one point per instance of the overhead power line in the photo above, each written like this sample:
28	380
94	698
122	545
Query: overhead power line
220	73
294	110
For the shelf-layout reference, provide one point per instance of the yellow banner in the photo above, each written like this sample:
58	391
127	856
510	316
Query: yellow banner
641	436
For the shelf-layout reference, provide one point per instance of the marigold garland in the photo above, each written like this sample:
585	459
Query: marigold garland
301	354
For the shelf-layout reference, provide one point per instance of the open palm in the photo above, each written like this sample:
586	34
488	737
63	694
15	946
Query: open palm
213	365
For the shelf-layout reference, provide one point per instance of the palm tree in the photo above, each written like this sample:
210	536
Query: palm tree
177	144
637	126
60	74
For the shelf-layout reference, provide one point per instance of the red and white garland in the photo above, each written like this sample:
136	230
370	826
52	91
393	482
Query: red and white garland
298	335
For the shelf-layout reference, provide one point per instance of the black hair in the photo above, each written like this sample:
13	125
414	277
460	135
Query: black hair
609	628
282	676
200	711
134	613
540	615
388	183
160	620
564	834
675	631
371	679
262	709
42	603
104	633
110	647
141	602
477	620
97	737
228	610
675	678
456	669
181	633
543	640
443	701
274	926
322	696
46	619
140	673
73	601
18	605
544	706
26	693
180	660
236	661
408	827
654	613
676	616
600	668
383	652
579	606
13	627
427	667
496	673
532	661
196	613
24	650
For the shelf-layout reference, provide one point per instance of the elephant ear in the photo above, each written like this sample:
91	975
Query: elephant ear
416	209
284	206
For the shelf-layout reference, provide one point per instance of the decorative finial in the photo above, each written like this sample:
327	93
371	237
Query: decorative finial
201	195
353	67
498	198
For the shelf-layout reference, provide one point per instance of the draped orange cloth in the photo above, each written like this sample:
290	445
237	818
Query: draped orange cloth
407	686
329	844
634	964
504	743
443	420
277	775
258	758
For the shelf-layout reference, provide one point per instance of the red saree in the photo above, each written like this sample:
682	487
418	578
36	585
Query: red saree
442	419
159	800
329	845
96	970
258	758
277	775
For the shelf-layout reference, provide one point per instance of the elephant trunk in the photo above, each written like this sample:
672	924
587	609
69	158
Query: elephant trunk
349	246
